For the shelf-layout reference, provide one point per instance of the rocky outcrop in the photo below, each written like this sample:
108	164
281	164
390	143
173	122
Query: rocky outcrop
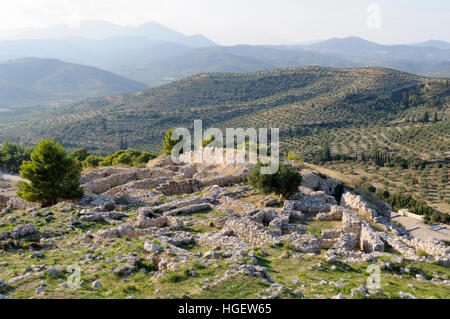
89	216
326	184
109	177
3	201
122	231
21	232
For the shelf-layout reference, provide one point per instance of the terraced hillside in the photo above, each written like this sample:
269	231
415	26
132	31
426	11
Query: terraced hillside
308	96
354	113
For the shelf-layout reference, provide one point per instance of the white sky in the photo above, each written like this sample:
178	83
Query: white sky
247	21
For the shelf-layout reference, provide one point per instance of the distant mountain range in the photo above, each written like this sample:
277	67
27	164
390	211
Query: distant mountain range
237	59
347	52
434	43
95	29
155	55
33	81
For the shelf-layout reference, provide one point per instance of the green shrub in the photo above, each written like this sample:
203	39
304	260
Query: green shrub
80	155
368	187
171	277
285	181
292	156
130	157
198	266
92	161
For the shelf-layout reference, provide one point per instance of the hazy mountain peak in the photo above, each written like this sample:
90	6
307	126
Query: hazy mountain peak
434	43
98	29
351	42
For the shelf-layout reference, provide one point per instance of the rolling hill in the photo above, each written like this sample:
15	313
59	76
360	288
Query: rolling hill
33	81
422	59
305	97
234	59
359	114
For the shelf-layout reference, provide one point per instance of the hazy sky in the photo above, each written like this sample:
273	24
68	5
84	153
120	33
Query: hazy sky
249	21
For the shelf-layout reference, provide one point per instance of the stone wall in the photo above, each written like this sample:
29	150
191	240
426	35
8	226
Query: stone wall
109	177
335	213
370	241
398	245
251	232
351	224
310	204
187	186
223	180
432	246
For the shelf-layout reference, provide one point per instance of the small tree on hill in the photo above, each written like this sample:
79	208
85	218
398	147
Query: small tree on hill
292	156
435	118
284	182
12	155
168	143
325	153
80	154
92	161
425	118
52	175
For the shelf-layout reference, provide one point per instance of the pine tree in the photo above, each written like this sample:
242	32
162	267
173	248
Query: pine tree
52	175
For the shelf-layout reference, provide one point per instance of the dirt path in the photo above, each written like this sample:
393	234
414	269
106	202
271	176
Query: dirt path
421	230
11	178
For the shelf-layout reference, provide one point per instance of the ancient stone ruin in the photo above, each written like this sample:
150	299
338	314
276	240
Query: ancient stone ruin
159	202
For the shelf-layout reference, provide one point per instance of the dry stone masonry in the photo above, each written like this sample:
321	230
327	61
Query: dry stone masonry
160	205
